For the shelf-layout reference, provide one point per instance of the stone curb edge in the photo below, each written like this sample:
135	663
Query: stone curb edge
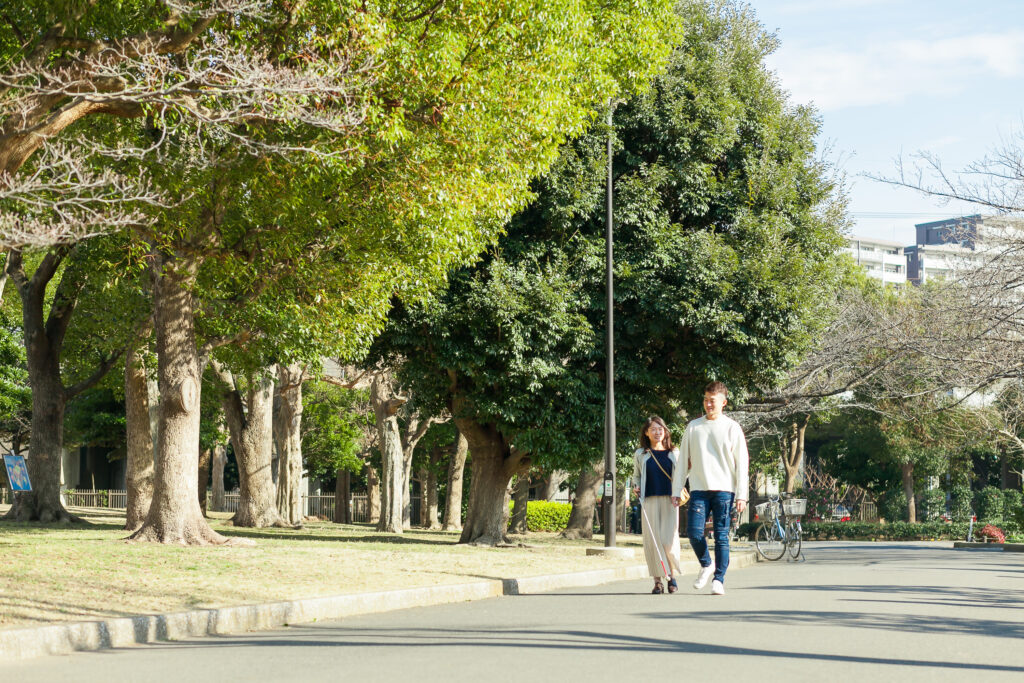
1006	547
58	639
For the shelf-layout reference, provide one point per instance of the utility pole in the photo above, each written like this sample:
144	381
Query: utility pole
608	499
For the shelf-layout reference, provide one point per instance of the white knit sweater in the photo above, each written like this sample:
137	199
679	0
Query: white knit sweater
713	456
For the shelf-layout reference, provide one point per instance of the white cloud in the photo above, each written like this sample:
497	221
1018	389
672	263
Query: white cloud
896	70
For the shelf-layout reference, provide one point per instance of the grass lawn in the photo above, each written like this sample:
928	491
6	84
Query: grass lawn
50	572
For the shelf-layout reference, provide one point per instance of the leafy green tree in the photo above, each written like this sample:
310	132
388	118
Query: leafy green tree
333	422
725	239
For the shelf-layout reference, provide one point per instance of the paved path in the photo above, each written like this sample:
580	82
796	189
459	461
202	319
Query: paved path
852	612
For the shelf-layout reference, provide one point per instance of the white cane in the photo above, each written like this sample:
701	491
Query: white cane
657	543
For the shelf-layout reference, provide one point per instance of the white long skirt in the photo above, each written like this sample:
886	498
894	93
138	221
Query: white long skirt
661	529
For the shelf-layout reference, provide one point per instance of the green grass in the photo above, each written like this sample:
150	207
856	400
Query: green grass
52	572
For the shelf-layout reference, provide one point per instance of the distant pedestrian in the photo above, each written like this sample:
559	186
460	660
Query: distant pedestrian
634	515
714	459
653	466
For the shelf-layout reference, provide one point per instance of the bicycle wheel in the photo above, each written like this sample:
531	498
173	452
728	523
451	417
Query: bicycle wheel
793	536
769	542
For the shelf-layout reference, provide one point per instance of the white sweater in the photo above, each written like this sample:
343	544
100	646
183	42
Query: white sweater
713	456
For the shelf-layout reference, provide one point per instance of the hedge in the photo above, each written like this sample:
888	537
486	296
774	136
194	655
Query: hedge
869	531
542	515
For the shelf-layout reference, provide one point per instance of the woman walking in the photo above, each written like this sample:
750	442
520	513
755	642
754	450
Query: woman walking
653	464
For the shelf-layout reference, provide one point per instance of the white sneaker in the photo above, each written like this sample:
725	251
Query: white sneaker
703	575
717	588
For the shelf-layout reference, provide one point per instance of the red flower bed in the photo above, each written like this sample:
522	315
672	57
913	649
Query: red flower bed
991	532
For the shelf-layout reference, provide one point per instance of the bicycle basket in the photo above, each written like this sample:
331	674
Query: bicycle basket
794	506
766	510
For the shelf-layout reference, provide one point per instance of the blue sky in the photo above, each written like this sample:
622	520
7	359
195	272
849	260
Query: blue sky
892	77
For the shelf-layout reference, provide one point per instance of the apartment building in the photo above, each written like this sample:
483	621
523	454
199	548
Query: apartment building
880	259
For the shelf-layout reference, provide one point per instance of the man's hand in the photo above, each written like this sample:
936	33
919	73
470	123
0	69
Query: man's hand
636	491
677	501
741	505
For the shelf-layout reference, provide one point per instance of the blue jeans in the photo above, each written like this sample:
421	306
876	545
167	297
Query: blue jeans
719	505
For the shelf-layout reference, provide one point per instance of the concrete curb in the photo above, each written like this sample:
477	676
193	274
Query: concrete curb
60	639
1006	547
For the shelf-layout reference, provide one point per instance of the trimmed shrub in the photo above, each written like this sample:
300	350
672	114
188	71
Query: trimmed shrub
988	504
543	515
892	506
933	505
960	503
896	531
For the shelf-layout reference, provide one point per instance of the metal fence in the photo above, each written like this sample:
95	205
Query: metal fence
320	506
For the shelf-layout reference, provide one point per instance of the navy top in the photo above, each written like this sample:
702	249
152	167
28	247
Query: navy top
657	483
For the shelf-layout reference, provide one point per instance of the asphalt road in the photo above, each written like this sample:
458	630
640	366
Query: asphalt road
852	612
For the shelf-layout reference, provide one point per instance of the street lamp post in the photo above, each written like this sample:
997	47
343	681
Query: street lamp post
608	499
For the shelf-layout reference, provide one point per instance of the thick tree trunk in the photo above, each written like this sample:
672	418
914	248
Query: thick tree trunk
203	480
288	437
456	467
520	499
373	502
174	515
220	459
553	484
252	439
494	465
342	493
44	337
581	517
907	476
139	456
385	407
45	447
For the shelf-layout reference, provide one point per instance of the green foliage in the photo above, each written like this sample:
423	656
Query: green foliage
868	531
933	505
988	504
333	419
892	505
1013	506
542	515
960	503
15	394
96	418
724	241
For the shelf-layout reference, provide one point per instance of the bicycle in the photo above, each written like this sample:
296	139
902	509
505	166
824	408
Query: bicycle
778	533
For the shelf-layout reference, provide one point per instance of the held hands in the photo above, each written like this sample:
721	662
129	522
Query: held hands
677	501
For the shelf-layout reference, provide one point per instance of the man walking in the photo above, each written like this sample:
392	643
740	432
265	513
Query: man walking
714	451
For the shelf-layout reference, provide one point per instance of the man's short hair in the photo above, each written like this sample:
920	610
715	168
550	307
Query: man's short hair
716	387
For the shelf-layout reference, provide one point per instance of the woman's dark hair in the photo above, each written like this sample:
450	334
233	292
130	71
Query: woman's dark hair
645	441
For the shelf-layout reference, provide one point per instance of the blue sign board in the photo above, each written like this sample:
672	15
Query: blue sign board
17	473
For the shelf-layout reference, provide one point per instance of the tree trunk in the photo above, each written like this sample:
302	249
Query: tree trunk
552	484
203	480
907	476
174	515
342	493
424	474
494	465
456	467
385	407
220	459
520	497
432	519
139	440
252	439
793	451
373	502
44	337
581	517
288	437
